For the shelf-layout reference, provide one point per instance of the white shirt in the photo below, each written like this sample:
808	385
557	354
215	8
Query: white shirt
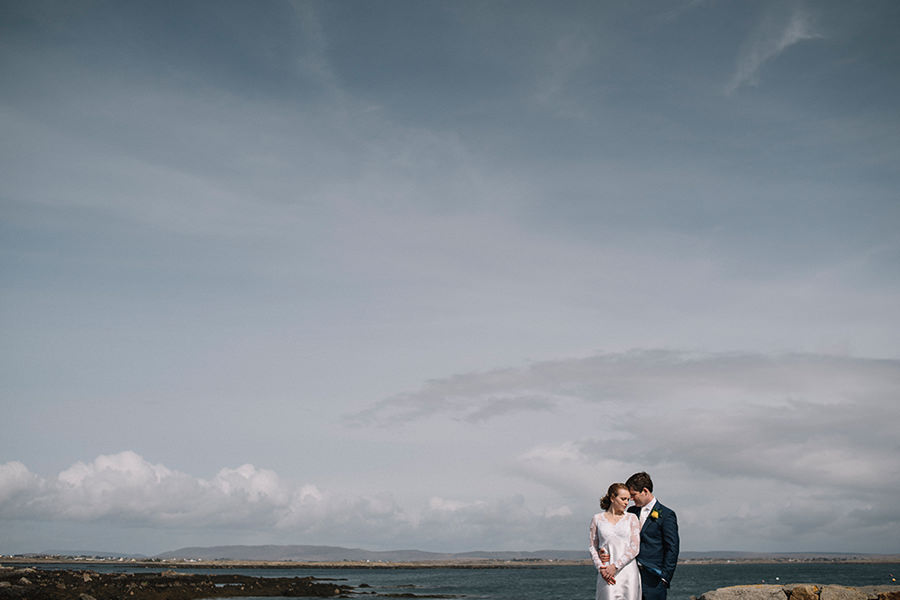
645	510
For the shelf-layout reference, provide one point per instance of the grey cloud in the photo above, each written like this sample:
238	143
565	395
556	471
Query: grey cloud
655	378
497	407
408	408
810	419
762	447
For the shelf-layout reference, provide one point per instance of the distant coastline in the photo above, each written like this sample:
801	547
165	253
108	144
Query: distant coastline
472	563
309	556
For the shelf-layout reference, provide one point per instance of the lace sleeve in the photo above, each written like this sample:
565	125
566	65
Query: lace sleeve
595	556
634	543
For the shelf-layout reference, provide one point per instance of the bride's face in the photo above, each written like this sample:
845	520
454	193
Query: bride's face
620	501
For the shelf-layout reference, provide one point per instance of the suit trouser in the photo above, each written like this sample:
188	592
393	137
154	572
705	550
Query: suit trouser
652	586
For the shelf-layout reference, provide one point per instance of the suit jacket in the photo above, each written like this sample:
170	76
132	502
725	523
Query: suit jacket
659	541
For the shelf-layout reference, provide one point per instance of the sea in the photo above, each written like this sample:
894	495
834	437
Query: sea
552	582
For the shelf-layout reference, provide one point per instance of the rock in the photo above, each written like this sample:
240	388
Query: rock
91	585
881	592
748	592
840	592
802	591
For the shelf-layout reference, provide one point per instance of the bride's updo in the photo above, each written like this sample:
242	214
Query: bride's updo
605	501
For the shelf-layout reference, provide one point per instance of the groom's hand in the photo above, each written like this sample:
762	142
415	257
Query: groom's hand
604	556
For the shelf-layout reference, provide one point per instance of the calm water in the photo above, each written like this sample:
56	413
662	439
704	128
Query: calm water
565	582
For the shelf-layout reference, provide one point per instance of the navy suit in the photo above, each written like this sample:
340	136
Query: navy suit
659	551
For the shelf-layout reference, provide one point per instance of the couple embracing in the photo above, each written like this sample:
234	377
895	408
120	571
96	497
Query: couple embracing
634	549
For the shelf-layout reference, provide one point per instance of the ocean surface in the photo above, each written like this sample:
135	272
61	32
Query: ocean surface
558	582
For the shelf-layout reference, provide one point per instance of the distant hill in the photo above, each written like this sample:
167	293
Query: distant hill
337	554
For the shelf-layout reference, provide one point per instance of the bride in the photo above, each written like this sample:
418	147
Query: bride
618	533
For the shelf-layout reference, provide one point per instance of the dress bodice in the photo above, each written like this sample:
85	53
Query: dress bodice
621	539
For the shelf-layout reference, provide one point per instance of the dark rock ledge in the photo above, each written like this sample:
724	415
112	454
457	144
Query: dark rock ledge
804	591
40	584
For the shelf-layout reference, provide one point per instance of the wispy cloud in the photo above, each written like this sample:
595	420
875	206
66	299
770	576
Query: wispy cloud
774	34
566	59
655	376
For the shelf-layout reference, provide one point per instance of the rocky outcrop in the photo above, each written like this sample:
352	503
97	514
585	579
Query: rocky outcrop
804	591
41	584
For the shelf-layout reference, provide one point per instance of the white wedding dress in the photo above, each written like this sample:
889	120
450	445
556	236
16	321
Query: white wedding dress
623	541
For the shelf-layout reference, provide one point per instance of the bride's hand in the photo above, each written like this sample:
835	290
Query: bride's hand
609	573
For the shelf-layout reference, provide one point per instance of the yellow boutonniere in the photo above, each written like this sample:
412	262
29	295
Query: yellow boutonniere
654	515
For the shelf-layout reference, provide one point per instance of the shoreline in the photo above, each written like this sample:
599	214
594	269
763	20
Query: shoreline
76	579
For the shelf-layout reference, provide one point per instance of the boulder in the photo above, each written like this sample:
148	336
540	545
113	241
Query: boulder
881	592
841	592
747	592
802	591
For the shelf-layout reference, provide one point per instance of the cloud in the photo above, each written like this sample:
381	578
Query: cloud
649	377
754	450
126	487
125	490
774	34
446	398
564	61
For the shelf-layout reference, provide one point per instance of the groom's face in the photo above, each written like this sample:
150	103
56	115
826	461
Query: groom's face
640	498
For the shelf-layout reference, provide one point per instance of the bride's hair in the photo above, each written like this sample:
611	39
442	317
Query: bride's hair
606	501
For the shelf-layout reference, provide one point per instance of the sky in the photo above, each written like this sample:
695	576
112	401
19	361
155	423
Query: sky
432	275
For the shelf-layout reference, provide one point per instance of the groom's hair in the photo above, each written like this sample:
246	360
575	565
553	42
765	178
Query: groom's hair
639	481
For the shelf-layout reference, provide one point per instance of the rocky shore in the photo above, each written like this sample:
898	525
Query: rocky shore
41	584
804	591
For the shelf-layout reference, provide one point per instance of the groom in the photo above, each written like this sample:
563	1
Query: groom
659	538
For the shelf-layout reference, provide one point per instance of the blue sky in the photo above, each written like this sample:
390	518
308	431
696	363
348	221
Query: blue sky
434	274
